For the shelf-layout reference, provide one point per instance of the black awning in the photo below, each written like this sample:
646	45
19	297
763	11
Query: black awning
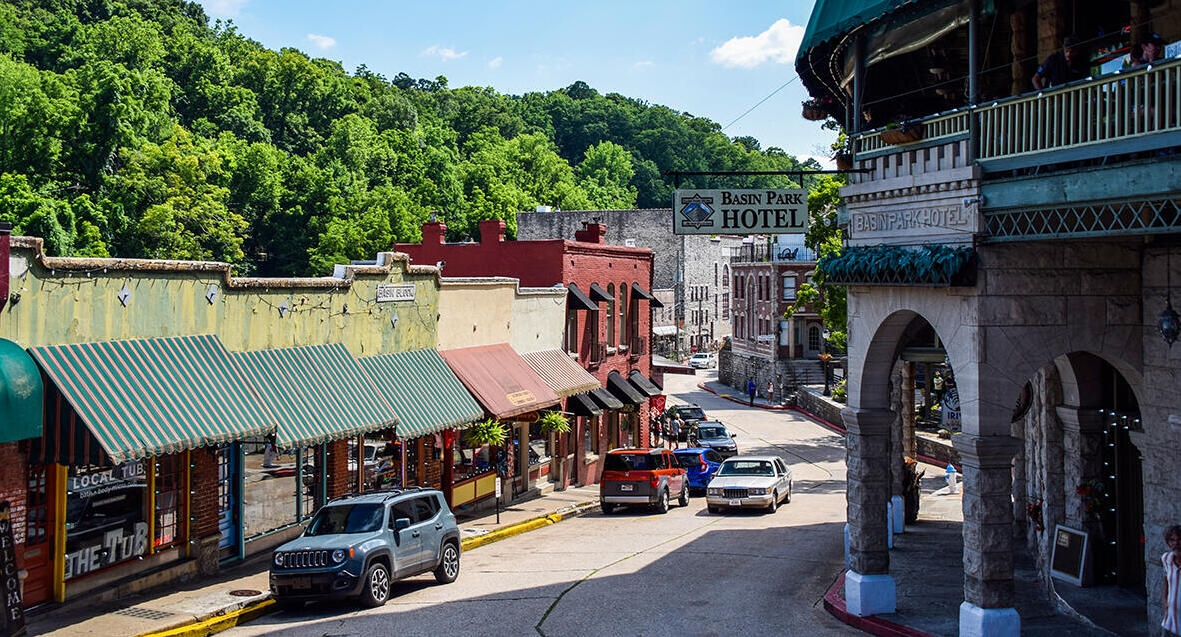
623	390
582	405
644	384
599	294
640	292
655	303
576	300
605	399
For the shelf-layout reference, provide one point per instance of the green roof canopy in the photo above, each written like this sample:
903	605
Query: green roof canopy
317	393
20	394
155	396
423	390
834	17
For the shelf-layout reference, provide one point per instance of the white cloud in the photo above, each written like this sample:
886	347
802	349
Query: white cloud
322	41
495	62
777	44
643	64
445	53
223	8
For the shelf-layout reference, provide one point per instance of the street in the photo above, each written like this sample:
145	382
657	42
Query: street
684	573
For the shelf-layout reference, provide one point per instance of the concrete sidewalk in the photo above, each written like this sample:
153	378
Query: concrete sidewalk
238	594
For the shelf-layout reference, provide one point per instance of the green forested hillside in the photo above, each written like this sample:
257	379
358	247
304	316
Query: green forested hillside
135	128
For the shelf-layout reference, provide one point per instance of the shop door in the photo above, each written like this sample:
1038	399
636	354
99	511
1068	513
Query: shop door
227	498
1121	512
39	535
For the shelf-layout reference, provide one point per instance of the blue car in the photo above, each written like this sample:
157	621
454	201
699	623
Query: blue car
700	464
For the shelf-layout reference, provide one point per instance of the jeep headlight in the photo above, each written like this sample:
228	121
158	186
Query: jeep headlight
338	556
758	491
278	559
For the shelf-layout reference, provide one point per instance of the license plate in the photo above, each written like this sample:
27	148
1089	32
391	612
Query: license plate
301	582
734	503
627	487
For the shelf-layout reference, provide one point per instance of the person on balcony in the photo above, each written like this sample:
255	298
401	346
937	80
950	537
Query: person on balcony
1062	67
1147	52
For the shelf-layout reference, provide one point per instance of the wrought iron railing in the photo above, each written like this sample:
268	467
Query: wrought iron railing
1115	107
763	253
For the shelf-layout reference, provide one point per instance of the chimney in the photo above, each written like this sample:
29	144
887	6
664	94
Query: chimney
5	230
433	232
592	232
491	231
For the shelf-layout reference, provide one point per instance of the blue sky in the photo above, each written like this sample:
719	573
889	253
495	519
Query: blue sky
705	58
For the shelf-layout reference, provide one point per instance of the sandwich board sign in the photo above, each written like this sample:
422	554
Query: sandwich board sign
729	211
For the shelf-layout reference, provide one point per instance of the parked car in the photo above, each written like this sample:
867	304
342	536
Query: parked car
642	476
703	360
712	434
759	482
356	545
689	413
699	464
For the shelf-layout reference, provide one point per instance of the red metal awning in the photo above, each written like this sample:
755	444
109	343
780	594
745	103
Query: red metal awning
500	379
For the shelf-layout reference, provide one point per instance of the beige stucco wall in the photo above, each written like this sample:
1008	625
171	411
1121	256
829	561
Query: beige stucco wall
483	311
66	300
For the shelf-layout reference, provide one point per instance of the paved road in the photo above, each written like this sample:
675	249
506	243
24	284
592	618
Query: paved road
635	573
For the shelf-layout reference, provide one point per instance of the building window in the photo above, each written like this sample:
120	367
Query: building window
572	330
789	287
715	273
170	472
814	338
611	315
623	335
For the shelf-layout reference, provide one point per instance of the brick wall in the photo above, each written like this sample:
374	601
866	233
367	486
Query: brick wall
203	484
12	486
339	480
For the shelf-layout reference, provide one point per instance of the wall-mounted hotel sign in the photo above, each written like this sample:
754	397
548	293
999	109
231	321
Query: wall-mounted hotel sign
769	211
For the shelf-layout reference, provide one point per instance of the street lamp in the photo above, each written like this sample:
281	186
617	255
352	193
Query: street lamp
825	359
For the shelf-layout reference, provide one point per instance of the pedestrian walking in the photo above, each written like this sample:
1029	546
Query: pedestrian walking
937	388
1171	561
674	431
751	389
771	392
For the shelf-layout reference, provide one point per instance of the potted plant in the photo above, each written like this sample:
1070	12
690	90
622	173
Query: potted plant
843	159
814	110
897	133
486	432
553	422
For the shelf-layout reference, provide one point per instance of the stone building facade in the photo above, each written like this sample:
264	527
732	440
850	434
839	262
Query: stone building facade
693	266
1006	242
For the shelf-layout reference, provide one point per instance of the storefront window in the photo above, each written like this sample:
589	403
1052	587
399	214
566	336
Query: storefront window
269	489
411	447
383	461
169	498
541	446
106	516
471	462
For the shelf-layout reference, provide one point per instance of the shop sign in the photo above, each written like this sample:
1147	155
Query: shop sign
952	417
523	397
529	417
14	617
769	211
390	292
106	519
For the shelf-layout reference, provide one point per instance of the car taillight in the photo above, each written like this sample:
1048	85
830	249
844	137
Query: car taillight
704	467
655	480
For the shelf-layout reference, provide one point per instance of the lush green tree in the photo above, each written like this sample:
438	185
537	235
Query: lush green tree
824	237
605	176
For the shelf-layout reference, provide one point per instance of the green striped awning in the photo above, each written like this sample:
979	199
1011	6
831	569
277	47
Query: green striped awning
317	393
155	396
423	390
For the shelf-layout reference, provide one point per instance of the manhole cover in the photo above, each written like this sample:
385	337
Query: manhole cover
245	592
144	613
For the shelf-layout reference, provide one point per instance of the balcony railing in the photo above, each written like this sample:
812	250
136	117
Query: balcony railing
1121	113
763	253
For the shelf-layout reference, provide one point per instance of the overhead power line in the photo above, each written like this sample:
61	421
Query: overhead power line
760	102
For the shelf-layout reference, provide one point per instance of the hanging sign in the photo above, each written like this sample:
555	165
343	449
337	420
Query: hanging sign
390	292
952	417
14	617
770	211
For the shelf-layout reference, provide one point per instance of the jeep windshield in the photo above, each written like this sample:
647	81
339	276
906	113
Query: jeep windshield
691	413
632	462
346	518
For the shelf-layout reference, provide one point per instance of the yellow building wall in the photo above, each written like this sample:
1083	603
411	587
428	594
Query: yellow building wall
484	311
68	300
539	319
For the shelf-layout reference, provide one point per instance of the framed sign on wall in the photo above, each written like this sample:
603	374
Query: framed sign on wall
1069	558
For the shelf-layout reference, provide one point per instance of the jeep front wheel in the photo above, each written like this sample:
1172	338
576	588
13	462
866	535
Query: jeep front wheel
448	568
377	586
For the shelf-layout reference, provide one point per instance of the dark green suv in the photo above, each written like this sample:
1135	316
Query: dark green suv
356	545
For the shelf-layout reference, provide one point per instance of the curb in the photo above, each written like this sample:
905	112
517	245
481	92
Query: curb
210	625
835	605
741	401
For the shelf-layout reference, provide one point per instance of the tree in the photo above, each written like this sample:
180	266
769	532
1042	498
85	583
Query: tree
824	237
605	176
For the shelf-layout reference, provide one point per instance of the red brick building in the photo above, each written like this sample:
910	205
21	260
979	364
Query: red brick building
608	324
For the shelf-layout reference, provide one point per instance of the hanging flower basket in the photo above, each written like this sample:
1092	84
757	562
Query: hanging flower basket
844	161
814	111
904	133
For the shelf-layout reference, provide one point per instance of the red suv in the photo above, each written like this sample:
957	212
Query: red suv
642	476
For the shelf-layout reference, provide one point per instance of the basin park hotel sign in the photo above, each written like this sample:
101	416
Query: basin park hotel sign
770	211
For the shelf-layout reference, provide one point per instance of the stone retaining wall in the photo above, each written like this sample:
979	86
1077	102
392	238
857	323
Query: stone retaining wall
936	448
820	406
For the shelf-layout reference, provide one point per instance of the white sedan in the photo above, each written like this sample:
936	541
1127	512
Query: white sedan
703	360
755	482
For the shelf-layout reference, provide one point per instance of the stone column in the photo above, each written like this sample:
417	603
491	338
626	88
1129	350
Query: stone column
869	588
988	535
909	447
1082	446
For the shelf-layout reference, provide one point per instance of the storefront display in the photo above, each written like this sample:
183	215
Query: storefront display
106	516
280	487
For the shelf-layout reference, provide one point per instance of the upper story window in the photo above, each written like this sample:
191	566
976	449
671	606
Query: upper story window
623	335
611	315
789	287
